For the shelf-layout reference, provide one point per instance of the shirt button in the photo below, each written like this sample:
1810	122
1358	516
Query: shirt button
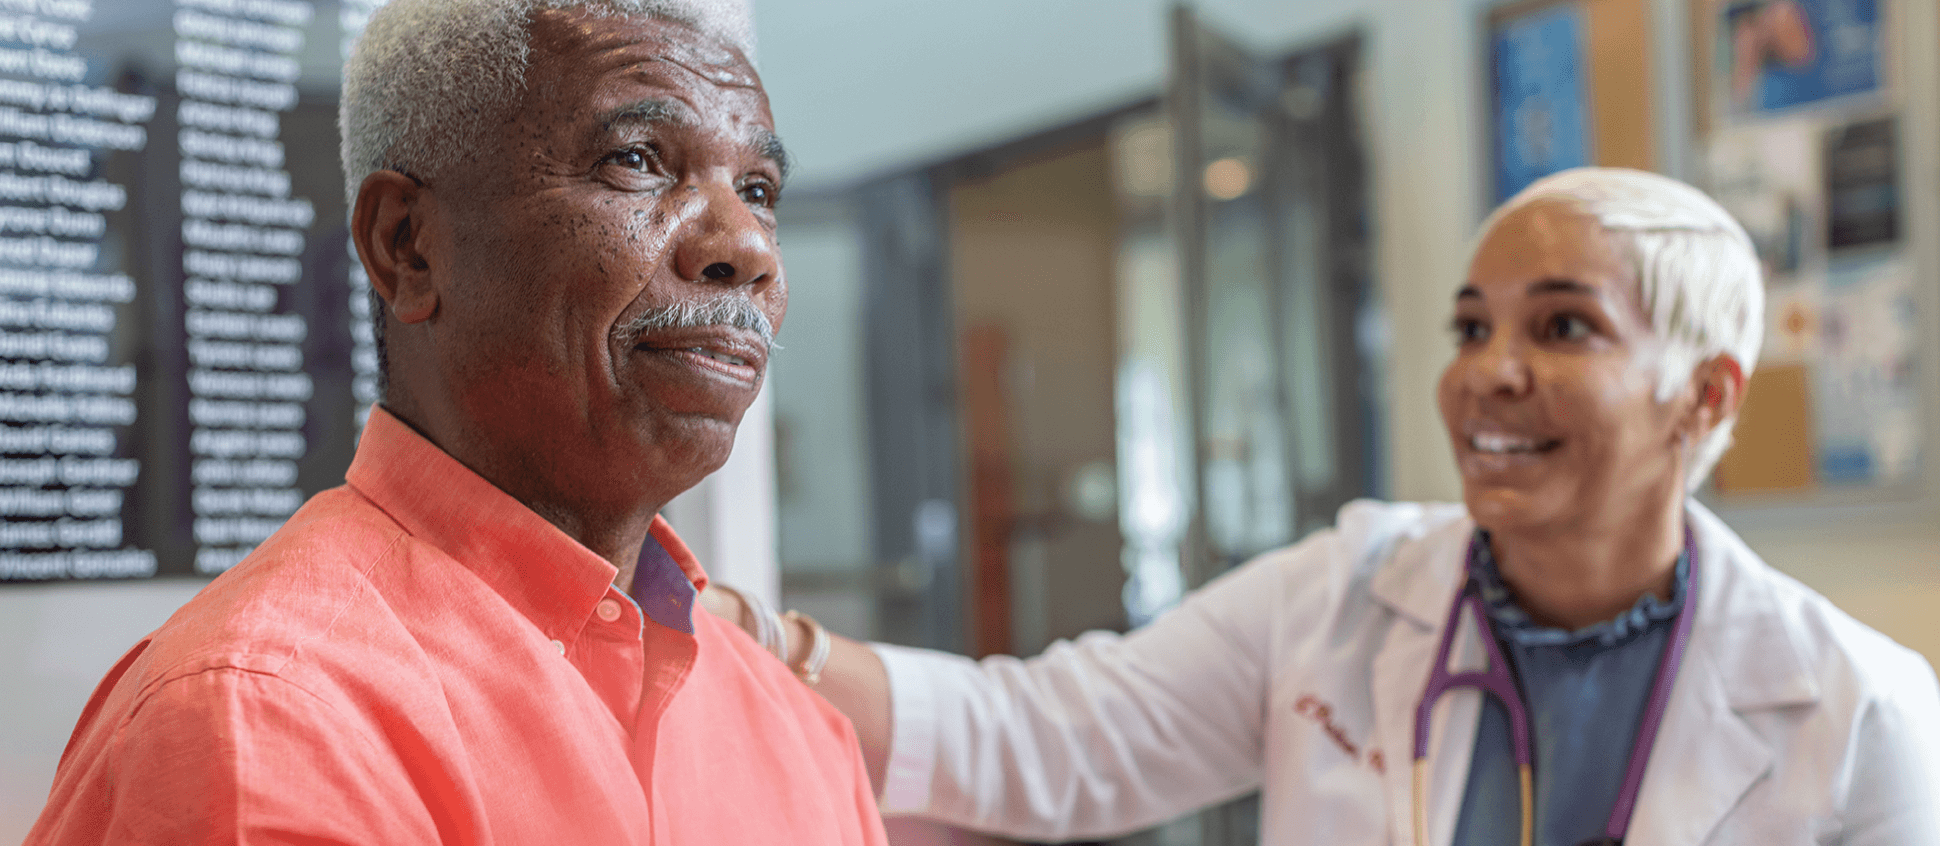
608	610
559	645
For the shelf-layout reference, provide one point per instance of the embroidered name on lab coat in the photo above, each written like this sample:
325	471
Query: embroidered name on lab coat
1322	714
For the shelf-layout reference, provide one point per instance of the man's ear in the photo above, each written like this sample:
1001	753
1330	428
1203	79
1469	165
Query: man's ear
388	227
1720	383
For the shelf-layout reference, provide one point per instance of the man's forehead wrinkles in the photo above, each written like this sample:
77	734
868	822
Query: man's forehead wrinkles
725	74
641	40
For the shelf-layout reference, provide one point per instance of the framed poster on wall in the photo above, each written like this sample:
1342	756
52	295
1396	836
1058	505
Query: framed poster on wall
1566	87
1540	104
1801	141
1775	55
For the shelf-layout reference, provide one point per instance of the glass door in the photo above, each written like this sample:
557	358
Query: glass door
1261	254
1220	106
1282	333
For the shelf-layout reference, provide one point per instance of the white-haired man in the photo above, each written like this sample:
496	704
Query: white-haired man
1652	679
566	208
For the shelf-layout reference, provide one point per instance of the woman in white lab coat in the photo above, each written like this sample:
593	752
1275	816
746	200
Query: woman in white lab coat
1659	684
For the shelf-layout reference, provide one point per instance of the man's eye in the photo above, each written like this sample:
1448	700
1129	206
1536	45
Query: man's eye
760	194
631	159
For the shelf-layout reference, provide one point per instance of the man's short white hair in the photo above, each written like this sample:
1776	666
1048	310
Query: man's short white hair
1697	273
428	78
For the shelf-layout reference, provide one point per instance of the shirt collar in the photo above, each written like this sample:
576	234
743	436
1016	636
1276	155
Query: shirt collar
667	579
1514	624
541	571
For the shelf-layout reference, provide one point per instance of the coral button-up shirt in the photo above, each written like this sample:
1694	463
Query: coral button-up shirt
417	658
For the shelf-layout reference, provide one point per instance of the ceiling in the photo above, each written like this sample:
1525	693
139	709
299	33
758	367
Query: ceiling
863	87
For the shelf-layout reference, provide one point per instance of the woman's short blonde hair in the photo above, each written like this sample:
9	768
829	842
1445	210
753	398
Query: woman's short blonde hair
1697	273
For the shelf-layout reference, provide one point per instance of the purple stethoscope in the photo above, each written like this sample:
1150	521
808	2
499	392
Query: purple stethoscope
1499	681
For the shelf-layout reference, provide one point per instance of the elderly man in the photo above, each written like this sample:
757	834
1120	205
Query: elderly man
486	635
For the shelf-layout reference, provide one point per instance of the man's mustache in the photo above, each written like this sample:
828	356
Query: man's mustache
736	310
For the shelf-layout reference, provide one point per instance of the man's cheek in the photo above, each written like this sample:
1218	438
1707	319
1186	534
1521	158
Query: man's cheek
778	305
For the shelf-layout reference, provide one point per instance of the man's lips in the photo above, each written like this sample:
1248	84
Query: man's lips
736	353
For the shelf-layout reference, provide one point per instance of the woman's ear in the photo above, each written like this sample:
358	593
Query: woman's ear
1720	383
388	227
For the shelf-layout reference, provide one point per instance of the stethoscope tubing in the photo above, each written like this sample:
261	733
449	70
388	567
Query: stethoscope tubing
1498	680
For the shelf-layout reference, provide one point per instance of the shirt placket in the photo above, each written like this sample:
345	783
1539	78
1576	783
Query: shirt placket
668	657
608	653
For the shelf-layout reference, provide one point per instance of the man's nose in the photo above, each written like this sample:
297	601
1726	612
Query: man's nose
726	244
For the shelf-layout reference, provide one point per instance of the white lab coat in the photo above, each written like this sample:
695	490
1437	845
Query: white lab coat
1298	674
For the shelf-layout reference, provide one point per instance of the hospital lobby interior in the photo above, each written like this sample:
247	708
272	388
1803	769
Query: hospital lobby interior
1089	303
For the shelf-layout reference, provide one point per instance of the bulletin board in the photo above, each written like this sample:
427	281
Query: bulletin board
1567	87
1801	137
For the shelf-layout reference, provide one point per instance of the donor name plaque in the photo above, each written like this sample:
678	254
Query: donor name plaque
183	355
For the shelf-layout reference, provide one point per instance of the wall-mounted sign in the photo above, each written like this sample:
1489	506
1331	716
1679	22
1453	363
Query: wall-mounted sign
1541	111
1780	54
1862	185
180	358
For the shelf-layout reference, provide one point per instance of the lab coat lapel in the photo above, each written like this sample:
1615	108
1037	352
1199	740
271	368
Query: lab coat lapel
1742	659
1703	761
1417	585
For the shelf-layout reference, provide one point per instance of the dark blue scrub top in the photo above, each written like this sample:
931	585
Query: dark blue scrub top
1585	692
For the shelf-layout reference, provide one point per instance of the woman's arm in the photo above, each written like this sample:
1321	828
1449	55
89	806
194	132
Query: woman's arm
1098	736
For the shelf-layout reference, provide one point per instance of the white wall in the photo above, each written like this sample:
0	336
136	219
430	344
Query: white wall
56	641
1879	564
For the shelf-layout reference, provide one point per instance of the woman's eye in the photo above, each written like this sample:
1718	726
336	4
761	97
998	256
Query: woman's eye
1468	331
1569	327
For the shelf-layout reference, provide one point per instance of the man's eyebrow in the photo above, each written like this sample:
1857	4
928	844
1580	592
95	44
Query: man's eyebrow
768	144
642	113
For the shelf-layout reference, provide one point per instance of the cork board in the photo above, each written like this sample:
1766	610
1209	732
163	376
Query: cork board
1620	78
1773	448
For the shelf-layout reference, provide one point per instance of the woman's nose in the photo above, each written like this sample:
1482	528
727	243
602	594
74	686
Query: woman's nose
1501	368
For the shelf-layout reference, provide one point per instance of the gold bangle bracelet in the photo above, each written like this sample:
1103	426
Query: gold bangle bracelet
810	671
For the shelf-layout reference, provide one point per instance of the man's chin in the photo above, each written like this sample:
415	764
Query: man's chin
689	441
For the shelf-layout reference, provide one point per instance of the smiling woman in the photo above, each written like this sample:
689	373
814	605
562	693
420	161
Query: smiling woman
1587	393
1647	676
